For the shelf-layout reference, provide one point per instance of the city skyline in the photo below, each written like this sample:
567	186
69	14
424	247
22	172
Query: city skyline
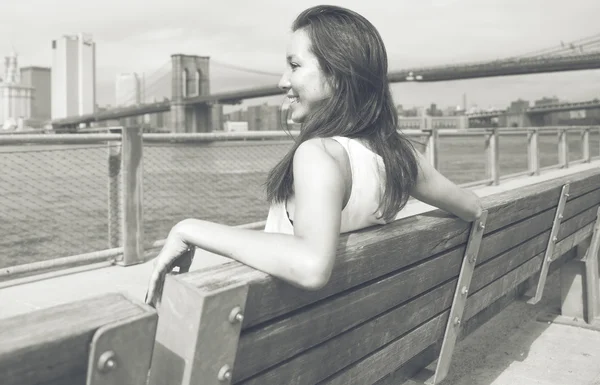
419	34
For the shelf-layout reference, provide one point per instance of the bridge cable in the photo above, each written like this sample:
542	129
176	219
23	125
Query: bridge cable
244	69
565	47
132	95
155	85
143	89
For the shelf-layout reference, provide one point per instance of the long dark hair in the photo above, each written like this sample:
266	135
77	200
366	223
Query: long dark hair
353	57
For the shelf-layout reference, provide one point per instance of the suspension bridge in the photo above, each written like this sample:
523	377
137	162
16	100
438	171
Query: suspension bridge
190	101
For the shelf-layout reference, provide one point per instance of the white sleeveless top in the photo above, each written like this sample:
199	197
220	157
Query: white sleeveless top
368	181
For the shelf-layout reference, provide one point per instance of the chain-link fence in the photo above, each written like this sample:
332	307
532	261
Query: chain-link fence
217	181
53	201
59	200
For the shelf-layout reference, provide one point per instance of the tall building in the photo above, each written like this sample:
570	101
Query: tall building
128	91
15	98
73	76
39	78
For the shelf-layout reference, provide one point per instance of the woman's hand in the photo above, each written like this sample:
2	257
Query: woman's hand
175	253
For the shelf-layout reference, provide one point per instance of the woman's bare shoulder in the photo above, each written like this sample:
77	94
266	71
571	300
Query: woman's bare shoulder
326	148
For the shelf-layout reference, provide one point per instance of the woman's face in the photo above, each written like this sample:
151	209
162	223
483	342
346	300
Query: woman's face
304	81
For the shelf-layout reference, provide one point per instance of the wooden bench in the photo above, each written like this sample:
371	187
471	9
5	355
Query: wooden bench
384	314
400	296
100	341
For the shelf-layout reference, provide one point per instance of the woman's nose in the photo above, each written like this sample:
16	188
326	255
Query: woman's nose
284	82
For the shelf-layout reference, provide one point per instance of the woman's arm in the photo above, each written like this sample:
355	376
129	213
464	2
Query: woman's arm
304	259
435	189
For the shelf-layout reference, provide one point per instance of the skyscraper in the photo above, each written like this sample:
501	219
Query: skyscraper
73	76
39	79
15	98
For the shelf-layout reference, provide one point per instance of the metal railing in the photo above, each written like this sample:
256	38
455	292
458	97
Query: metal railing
110	198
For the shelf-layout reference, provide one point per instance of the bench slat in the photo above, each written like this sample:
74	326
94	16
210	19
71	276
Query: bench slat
540	196
302	330
386	360
51	346
405	374
269	297
508	237
419	237
359	341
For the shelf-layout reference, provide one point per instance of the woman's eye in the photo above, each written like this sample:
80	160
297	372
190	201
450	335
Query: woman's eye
294	65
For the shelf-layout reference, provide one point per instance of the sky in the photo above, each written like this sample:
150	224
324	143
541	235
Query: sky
140	35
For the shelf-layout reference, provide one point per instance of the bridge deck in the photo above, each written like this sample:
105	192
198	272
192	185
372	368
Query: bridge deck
513	348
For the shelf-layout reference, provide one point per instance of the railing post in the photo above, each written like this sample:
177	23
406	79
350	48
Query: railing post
493	156
423	123
432	149
115	236
585	145
533	151
563	148
132	177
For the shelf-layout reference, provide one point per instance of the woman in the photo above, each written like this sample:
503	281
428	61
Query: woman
348	169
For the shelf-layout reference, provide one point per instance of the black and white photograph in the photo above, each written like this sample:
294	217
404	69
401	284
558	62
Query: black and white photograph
299	193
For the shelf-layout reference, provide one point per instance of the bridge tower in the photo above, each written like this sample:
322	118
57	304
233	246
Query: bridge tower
190	77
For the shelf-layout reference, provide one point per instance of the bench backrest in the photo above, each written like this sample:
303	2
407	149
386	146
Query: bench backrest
102	340
386	304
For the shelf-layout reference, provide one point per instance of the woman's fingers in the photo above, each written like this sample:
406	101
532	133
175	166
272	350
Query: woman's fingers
162	266
156	283
151	292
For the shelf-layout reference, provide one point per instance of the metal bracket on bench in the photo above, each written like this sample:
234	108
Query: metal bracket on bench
580	302
558	216
120	353
591	272
460	300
